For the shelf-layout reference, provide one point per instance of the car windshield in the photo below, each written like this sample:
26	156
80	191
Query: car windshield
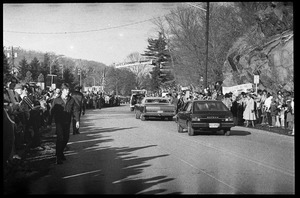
210	106
157	101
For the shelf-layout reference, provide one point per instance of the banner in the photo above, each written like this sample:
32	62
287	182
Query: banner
237	89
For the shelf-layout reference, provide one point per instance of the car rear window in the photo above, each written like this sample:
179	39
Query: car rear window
156	101
210	106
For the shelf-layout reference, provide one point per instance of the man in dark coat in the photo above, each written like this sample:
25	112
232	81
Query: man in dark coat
79	99
63	108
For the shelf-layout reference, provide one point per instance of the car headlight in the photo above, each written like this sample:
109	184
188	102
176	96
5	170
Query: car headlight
229	119
196	119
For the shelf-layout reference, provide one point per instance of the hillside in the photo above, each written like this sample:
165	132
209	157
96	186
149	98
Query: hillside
30	54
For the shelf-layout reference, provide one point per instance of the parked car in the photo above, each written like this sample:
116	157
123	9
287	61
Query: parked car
204	115
154	107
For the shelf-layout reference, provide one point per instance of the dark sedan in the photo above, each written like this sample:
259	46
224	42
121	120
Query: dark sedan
204	115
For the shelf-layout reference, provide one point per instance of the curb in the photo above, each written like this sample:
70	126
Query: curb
262	131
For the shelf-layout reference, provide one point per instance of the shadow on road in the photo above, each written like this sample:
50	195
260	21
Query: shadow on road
119	168
91	167
220	133
239	132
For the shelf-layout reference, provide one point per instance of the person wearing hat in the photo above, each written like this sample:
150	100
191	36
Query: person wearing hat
78	97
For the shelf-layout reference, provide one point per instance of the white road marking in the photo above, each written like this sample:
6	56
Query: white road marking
80	174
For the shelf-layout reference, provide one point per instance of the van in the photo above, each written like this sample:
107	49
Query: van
135	99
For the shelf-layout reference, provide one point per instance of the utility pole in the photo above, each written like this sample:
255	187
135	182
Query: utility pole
13	55
79	73
207	37
51	70
13	60
207	33
62	71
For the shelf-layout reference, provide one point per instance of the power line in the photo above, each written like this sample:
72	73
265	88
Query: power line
96	30
84	31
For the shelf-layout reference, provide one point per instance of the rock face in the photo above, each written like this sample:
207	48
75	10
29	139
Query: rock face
269	56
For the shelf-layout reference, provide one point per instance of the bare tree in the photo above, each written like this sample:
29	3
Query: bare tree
187	41
139	70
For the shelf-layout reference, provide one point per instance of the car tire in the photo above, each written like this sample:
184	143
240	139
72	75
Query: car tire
137	115
143	118
226	132
131	109
170	118
191	131
179	128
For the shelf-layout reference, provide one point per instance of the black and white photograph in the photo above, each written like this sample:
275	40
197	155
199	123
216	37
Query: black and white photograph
156	98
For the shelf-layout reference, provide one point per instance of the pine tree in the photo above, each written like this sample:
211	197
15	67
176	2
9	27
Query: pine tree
68	77
40	78
24	67
28	77
34	68
6	69
162	72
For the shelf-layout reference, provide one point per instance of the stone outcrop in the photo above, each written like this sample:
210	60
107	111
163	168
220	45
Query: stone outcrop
269	54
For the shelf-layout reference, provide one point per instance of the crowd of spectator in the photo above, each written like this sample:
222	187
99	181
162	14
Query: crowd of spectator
98	100
248	108
28	107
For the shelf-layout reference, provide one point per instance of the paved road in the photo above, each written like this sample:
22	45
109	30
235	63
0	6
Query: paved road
118	154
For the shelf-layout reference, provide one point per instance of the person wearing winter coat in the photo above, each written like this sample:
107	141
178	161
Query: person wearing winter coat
63	109
249	113
234	110
78	97
274	112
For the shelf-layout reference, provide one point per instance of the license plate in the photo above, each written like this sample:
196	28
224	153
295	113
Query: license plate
159	111
214	125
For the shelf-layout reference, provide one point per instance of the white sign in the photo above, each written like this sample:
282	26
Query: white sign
53	86
256	79
237	89
42	85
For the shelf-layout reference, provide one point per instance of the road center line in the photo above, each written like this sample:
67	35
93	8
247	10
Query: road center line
80	174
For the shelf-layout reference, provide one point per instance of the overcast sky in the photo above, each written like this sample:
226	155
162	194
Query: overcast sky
103	32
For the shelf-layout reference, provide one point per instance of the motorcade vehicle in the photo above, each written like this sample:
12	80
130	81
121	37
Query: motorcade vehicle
204	115
136	97
154	107
123	99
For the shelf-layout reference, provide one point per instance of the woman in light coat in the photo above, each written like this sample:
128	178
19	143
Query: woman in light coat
249	113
